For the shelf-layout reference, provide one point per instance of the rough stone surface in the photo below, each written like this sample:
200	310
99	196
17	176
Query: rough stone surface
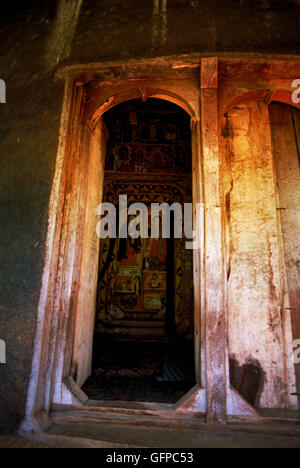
29	132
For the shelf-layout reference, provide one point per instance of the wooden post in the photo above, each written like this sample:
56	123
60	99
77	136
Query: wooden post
215	337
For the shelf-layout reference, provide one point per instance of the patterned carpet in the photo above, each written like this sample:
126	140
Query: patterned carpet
160	373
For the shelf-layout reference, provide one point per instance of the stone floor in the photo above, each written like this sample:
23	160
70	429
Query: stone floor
112	436
12	441
95	427
206	437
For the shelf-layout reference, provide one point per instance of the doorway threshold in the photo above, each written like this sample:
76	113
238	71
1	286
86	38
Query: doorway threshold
131	405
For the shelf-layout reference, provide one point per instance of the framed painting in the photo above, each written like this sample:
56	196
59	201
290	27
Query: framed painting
128	281
155	280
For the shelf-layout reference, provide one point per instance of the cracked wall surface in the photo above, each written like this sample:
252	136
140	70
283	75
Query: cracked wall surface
253	263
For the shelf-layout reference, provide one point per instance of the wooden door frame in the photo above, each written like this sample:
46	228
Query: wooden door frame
52	377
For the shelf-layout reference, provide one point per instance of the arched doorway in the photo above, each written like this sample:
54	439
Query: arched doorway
63	347
144	327
65	325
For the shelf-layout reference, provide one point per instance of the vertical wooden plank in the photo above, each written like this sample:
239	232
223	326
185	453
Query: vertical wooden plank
286	138
86	301
200	357
214	265
296	123
63	299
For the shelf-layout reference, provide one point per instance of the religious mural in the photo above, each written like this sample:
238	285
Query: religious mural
134	272
147	143
149	160
138	158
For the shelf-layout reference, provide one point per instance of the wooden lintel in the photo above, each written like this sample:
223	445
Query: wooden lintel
269	97
209	73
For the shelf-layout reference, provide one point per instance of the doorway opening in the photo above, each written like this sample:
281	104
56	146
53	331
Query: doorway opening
144	326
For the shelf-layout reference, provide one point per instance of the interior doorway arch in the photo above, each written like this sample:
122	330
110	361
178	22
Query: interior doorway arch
71	260
72	353
145	306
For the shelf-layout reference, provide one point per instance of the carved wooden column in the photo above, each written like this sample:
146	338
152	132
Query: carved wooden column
215	331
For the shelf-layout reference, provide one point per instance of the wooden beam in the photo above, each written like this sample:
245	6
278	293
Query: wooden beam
209	73
214	266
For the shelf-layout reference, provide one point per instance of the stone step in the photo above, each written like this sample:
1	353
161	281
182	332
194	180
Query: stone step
161	414
94	429
146	414
114	435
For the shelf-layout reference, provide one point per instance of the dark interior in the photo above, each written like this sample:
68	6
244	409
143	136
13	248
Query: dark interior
142	352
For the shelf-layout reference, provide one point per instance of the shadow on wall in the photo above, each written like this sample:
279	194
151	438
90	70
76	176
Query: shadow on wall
248	380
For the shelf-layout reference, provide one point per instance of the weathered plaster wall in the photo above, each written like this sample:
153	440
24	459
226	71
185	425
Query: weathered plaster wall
35	36
113	28
253	263
29	125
